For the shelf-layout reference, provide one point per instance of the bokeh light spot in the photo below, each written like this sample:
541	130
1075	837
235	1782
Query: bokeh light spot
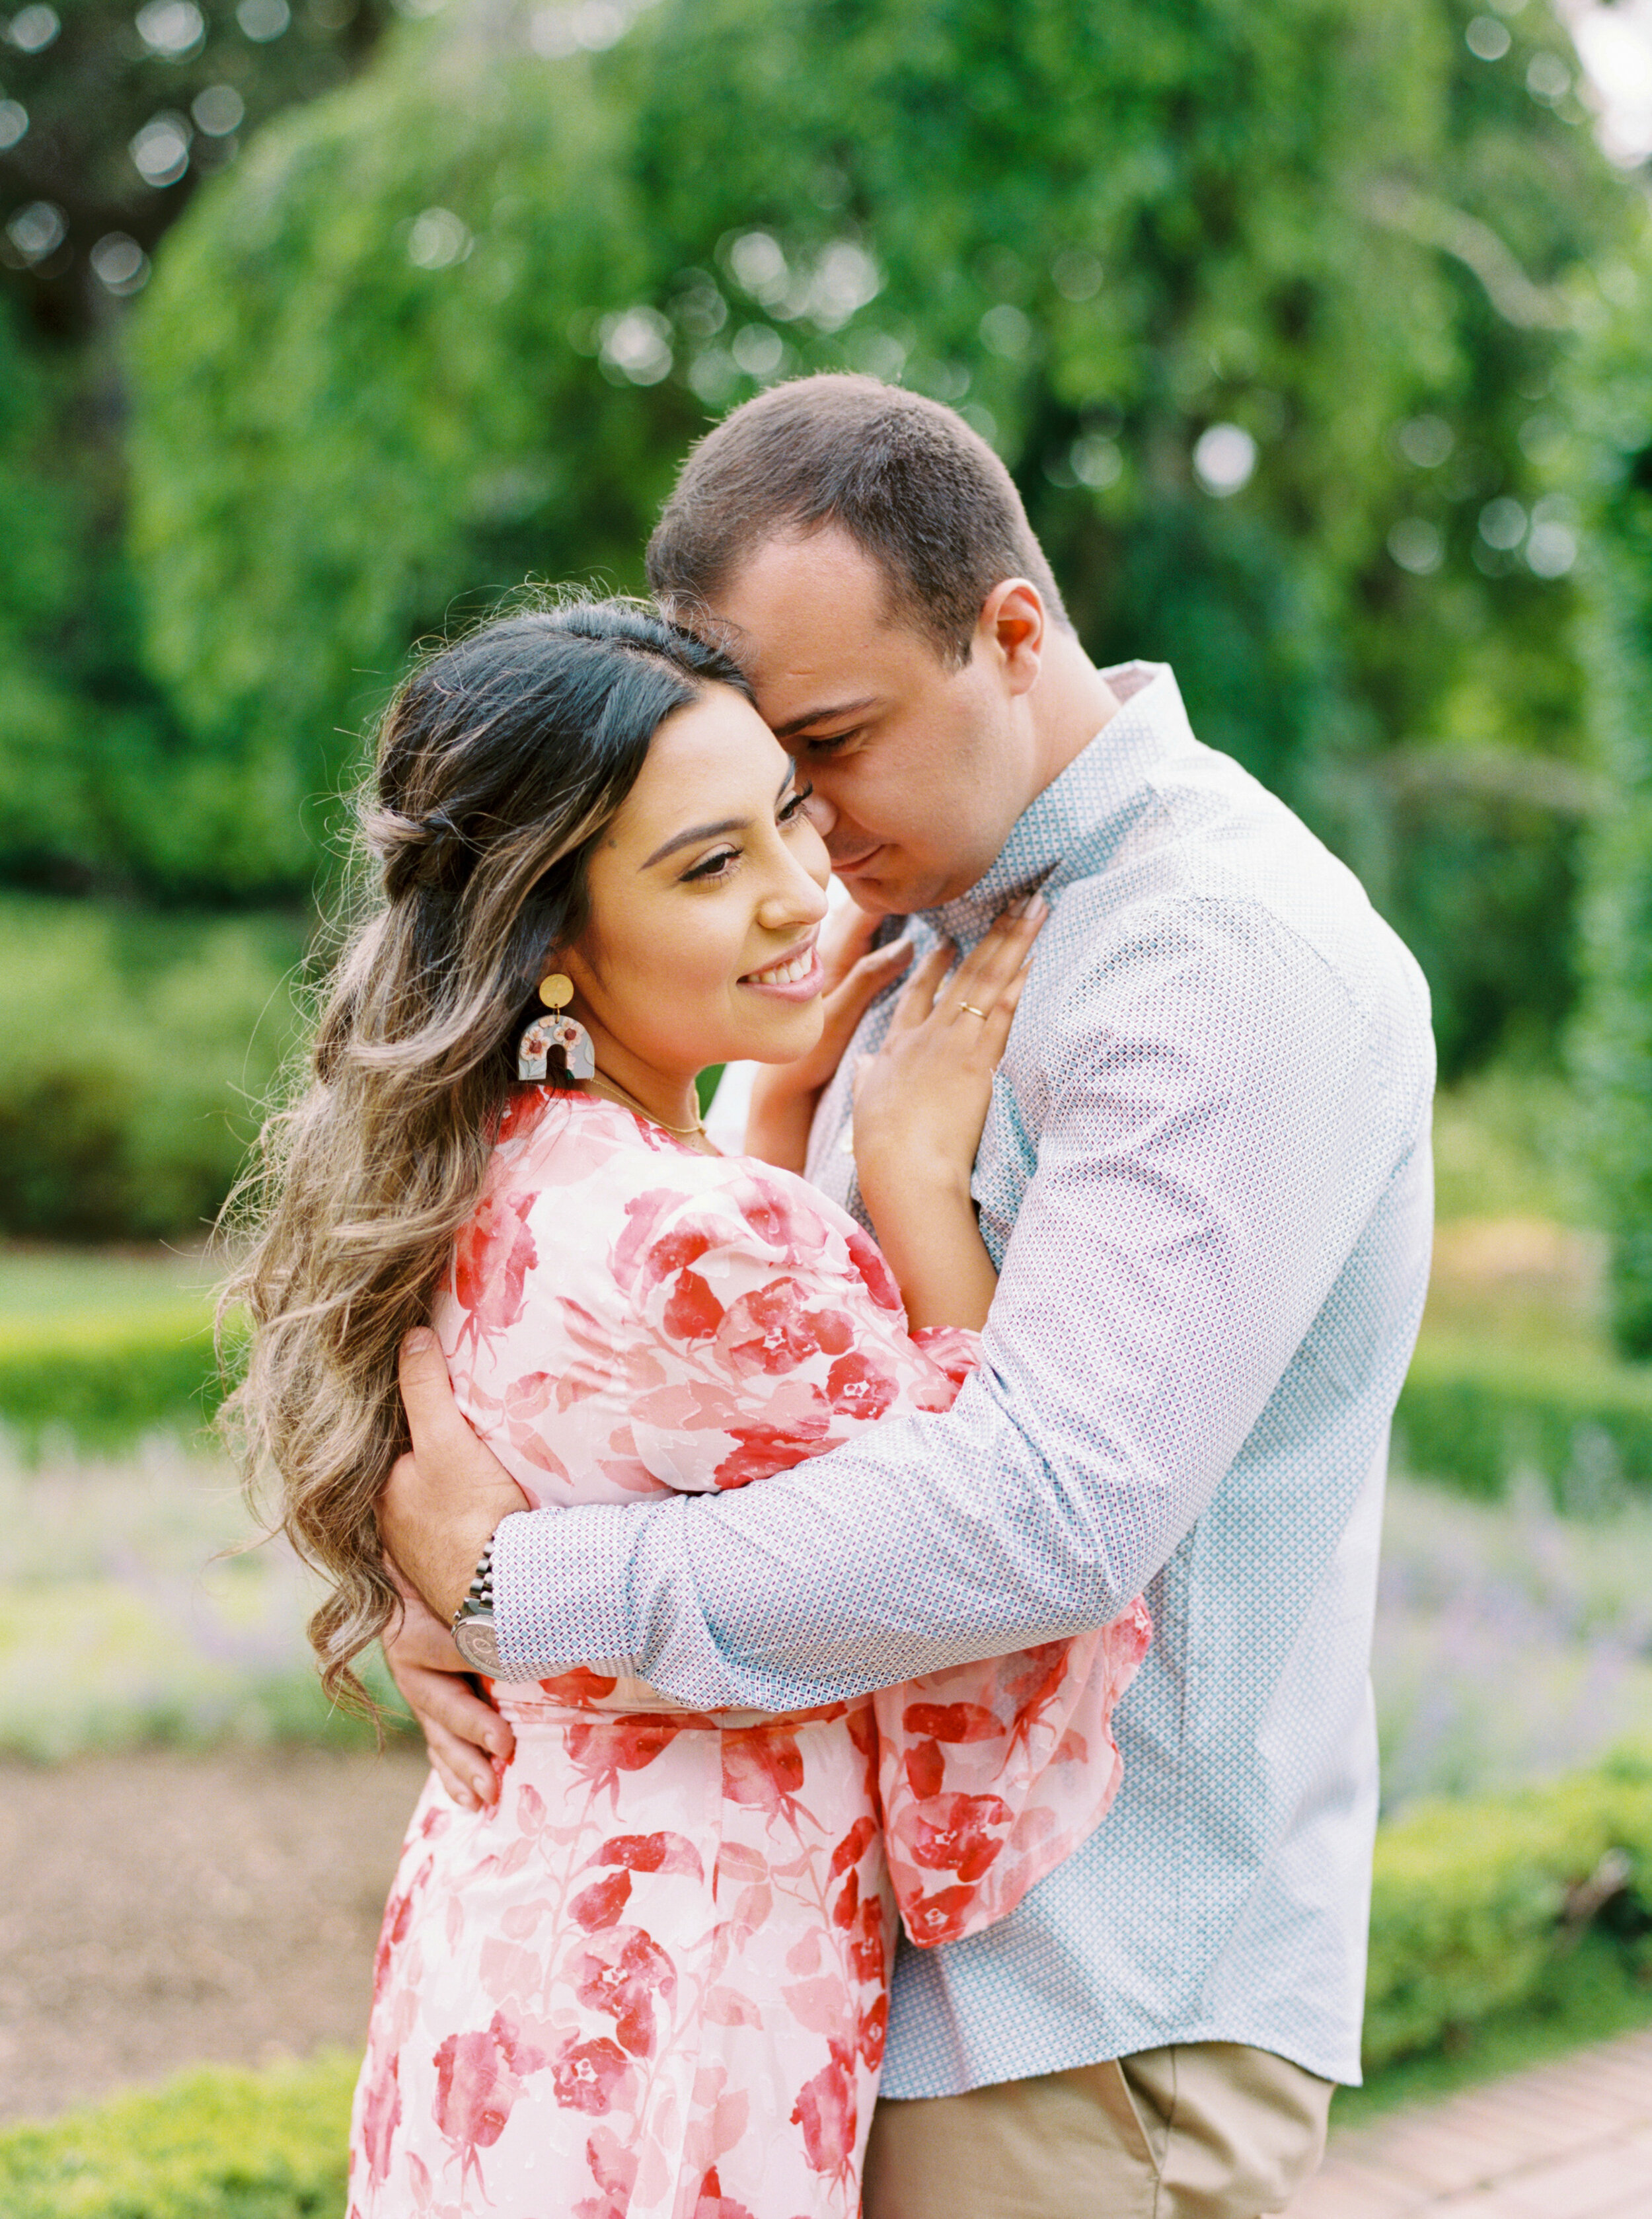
437	239
1502	523
1426	441
38	230
758	350
1077	274
876	353
845	279
1006	331
32	29
264	20
1225	459
13	122
1416	546
172	27
638	345
1487	38
1096	461
119	264
1547	78
160	151
218	109
1551	550
759	266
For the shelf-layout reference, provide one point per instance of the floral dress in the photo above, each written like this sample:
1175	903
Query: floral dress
652	1981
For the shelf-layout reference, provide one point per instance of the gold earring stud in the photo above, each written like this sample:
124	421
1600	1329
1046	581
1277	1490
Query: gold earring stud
556	992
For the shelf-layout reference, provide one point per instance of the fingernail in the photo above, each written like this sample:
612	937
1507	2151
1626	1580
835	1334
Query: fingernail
481	1783
417	1339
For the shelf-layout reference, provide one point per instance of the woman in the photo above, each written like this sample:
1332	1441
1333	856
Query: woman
652	1979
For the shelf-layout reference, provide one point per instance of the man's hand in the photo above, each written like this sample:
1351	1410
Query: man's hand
443	1499
468	1741
784	1095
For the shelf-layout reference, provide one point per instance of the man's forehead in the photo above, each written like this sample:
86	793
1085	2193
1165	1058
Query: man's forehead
809	620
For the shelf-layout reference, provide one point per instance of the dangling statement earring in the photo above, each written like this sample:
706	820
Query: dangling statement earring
555	1030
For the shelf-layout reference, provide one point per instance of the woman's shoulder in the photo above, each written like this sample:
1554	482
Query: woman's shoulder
582	1157
551	1143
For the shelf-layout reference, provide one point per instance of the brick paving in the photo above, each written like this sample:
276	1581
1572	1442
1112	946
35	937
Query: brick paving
1567	2141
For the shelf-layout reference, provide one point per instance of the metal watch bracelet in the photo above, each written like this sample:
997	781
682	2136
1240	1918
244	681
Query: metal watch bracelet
473	1621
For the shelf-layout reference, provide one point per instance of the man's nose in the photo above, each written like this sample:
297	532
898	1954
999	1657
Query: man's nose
821	813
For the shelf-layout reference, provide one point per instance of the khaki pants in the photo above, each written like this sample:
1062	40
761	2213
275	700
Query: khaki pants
1204	2130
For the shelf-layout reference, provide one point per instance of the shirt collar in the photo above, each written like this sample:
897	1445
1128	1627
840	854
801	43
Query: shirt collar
1068	830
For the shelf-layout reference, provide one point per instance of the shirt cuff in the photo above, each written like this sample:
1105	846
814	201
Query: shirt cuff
561	1590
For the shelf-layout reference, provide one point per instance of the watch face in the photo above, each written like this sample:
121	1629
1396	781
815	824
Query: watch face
472	1637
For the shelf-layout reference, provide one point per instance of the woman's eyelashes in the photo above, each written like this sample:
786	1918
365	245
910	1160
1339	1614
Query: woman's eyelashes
719	865
712	866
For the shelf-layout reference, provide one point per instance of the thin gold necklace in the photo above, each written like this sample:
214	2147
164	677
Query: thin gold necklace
612	1087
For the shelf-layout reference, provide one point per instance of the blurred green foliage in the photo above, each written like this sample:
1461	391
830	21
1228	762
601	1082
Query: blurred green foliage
1613	407
1478	1417
134	1053
457	321
453	311
1474	1902
110	120
215	2143
114	115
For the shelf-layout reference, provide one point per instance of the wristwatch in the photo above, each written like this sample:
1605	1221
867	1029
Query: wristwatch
473	1621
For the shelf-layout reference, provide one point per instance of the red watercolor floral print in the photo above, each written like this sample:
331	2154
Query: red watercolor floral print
653	1982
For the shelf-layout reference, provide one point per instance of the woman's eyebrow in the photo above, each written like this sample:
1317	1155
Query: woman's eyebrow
696	832
710	831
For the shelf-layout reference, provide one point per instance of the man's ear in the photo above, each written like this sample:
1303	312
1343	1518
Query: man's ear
1012	627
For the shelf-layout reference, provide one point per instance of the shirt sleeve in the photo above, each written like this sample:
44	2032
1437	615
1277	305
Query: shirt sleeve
1216	1118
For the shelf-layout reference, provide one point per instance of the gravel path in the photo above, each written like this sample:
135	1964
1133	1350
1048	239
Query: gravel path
157	1910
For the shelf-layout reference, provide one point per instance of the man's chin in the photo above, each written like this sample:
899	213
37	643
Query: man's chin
893	896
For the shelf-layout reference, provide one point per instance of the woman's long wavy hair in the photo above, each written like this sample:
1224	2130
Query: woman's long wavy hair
499	763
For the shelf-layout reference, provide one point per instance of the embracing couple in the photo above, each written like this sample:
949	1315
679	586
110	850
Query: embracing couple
919	1572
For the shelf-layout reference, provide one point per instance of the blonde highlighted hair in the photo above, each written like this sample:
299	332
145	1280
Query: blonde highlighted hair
498	763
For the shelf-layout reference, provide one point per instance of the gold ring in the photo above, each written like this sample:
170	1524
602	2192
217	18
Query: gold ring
971	1007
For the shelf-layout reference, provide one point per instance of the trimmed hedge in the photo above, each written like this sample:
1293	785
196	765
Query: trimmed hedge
1473	1417
107	1383
1473	1903
213	2144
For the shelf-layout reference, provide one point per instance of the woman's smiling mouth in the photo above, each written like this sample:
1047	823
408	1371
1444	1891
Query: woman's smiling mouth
798	976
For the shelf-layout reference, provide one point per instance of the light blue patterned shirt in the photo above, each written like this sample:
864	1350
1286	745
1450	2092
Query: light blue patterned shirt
1205	1180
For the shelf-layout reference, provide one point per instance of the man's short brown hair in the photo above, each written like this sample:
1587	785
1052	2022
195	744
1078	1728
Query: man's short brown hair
909	481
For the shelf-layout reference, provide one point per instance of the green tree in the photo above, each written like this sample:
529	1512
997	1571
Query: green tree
1265	307
110	116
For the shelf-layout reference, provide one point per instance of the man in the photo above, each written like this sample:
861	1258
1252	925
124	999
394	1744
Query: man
1205	1178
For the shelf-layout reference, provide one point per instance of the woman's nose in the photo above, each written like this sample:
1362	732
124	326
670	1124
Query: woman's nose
800	900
